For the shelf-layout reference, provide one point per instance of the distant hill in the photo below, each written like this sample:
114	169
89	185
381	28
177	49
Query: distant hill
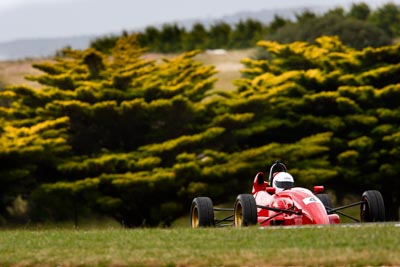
45	47
33	48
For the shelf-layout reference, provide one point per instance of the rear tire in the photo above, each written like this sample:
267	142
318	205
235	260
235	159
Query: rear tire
326	200
245	211
373	208
202	212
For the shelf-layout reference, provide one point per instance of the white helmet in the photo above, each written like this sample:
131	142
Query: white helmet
282	181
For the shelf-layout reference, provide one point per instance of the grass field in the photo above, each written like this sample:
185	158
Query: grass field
14	72
227	64
349	245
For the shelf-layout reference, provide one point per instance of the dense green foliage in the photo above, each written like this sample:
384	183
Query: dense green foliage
137	140
112	121
353	32
358	28
329	87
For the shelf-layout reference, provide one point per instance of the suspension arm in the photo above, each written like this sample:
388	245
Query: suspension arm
345	207
289	211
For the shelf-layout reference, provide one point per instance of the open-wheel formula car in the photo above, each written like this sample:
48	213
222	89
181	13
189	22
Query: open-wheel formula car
279	202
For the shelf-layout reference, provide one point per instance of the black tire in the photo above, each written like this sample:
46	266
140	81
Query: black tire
245	211
373	208
326	200
202	212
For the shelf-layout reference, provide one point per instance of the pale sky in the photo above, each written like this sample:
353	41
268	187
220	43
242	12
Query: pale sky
22	19
7	4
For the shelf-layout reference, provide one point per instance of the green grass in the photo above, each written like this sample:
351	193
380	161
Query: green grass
369	244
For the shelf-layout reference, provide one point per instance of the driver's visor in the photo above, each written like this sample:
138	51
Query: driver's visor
284	185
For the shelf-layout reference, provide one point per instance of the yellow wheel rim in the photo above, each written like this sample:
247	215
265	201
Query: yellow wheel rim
238	215
195	217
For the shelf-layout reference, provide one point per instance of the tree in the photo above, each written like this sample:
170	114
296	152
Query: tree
28	153
277	23
359	27
305	16
354	33
105	43
219	35
328	87
360	11
171	38
197	38
387	18
246	34
338	11
151	38
97	124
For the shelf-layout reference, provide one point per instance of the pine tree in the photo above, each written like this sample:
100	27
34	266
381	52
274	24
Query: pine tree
328	87
110	113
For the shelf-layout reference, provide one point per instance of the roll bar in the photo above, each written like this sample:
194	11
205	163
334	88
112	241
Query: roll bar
277	164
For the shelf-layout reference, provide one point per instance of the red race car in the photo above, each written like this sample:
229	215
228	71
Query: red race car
279	202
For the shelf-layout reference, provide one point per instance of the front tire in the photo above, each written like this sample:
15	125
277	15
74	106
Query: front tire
202	212
245	211
373	208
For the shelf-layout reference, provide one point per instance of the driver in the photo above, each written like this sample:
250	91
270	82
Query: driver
282	181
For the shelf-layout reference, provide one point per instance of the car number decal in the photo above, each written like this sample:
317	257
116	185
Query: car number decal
309	200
